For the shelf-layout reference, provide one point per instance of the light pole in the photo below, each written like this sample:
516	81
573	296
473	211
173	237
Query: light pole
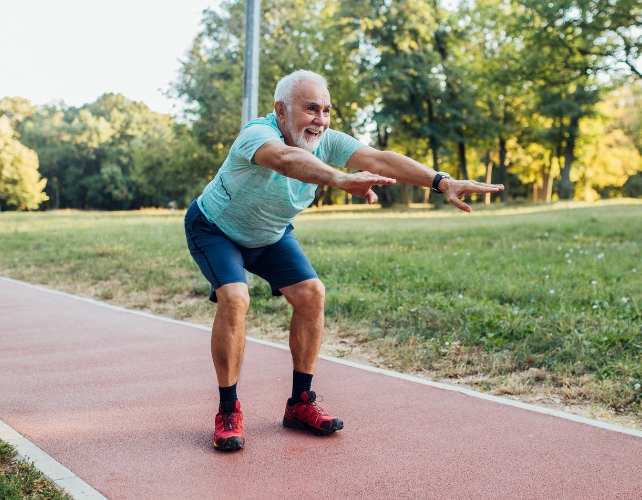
251	72
251	75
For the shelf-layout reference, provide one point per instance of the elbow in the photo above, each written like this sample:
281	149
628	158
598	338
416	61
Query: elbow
283	159
386	164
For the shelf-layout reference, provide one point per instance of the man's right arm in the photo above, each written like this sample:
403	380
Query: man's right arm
298	164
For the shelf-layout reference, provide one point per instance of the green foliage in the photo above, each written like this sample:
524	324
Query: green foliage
116	154
501	90
7	452
21	480
20	183
633	186
294	34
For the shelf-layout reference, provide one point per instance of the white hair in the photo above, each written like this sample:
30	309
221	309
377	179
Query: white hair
285	87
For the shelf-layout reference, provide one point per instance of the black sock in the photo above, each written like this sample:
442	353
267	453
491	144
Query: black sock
228	398
301	382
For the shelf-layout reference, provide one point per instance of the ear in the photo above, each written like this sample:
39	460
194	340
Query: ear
279	109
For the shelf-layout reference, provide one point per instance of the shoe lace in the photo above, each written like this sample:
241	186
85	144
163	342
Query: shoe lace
230	420
313	409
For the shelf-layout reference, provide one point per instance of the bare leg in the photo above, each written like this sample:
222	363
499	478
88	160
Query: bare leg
306	327
228	332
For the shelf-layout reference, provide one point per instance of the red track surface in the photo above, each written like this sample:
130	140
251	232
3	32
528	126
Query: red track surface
127	402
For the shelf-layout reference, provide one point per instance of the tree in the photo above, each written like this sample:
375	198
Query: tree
560	58
607	31
294	34
607	156
503	95
116	154
20	183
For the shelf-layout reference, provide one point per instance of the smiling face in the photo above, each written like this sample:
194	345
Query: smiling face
304	121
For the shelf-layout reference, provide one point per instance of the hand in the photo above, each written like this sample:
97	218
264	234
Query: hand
360	184
455	190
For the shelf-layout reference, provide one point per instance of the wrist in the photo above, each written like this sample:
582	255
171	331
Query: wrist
440	182
338	179
446	183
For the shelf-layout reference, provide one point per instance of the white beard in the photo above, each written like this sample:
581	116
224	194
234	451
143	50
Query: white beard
302	141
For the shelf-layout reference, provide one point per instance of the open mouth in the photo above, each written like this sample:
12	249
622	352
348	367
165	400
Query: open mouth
312	133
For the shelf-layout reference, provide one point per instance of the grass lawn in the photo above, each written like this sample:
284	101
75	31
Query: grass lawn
20	480
535	301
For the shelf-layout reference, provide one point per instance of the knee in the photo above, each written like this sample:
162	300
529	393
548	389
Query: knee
311	296
235	301
317	290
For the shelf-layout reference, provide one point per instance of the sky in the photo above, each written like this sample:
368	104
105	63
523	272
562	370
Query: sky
77	50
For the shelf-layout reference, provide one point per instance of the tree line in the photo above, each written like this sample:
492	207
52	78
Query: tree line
542	96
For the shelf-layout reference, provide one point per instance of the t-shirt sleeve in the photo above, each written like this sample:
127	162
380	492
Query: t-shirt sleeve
251	139
340	147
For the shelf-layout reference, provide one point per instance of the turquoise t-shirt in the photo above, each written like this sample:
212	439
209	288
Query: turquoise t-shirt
253	205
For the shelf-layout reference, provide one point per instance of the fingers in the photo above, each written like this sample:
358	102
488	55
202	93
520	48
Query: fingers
456	202
367	177
483	188
457	189
371	197
470	187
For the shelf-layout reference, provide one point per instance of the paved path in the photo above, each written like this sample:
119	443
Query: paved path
127	403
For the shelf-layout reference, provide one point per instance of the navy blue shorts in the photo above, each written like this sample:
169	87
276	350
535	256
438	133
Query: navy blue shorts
222	261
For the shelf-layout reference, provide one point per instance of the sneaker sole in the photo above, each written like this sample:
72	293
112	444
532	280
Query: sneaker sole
295	424
230	444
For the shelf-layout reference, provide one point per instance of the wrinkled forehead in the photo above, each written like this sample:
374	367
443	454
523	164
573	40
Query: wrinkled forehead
310	92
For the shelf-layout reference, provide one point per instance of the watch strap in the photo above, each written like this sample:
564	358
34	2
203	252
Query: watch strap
435	182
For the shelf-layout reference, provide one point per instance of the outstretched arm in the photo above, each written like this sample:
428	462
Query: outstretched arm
299	164
404	169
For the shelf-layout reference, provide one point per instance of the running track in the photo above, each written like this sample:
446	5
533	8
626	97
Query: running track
127	402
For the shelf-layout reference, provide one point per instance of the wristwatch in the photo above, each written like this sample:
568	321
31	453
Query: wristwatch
435	182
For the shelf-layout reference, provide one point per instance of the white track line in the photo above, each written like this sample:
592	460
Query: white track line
390	373
51	468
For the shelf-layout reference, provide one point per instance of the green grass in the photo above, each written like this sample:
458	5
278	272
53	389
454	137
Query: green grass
20	480
491	294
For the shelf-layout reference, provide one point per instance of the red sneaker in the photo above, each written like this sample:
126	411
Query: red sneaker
309	415
228	429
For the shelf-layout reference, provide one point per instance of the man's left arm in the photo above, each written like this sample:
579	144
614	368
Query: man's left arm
404	169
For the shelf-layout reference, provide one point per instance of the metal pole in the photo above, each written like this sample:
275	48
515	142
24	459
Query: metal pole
251	76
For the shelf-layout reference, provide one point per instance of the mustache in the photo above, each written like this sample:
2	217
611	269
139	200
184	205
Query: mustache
302	141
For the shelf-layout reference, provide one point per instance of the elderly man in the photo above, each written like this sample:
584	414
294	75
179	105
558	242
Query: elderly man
243	221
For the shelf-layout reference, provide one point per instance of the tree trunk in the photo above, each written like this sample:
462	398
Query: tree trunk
489	176
463	167
548	180
318	196
432	140
384	193
406	193
435	155
566	188
539	189
327	198
502	169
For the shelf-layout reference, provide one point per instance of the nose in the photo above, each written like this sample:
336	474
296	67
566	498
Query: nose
320	119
